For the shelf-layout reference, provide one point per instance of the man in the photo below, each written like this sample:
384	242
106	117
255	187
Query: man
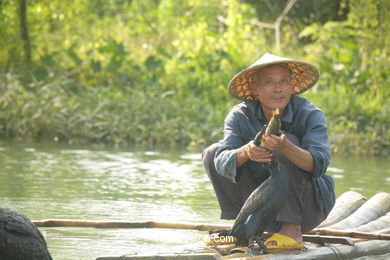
234	164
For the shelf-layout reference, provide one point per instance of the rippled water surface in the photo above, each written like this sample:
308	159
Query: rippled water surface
98	183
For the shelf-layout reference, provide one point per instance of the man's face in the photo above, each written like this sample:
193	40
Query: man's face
273	87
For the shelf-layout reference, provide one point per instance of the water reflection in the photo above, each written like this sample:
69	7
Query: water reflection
56	181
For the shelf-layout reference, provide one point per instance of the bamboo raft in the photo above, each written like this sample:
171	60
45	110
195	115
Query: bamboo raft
355	227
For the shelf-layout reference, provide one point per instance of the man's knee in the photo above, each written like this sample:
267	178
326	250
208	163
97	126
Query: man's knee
209	153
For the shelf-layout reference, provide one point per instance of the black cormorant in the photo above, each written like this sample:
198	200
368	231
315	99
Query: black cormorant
261	208
20	239
264	203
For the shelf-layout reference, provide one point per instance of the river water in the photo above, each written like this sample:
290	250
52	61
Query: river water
55	181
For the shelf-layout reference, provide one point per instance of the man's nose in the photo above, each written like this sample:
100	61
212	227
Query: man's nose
278	87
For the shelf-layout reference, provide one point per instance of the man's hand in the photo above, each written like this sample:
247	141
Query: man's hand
257	154
276	143
252	152
300	157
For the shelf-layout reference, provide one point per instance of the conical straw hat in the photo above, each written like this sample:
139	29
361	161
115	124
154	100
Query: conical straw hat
303	76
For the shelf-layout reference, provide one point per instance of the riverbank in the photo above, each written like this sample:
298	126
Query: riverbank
160	79
61	110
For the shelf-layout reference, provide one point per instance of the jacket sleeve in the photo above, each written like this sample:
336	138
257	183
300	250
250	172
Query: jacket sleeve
316	141
226	156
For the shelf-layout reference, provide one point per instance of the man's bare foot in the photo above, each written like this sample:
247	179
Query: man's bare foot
290	230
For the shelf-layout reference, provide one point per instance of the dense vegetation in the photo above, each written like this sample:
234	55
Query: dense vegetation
154	72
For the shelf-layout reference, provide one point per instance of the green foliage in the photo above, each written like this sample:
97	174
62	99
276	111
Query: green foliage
155	72
352	56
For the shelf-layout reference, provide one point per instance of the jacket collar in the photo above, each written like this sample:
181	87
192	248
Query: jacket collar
258	111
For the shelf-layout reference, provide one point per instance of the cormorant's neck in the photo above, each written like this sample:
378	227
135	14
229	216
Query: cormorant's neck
278	171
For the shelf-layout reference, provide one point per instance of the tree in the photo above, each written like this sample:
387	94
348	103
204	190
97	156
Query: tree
24	30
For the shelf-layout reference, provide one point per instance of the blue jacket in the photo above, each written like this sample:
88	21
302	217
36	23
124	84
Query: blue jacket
302	119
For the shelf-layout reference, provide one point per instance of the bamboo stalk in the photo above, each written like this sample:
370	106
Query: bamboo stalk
190	226
352	234
346	204
384	231
375	207
127	224
375	225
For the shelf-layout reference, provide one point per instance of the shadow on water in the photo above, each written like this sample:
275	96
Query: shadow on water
99	183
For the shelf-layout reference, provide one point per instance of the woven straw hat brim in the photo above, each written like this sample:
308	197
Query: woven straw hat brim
303	77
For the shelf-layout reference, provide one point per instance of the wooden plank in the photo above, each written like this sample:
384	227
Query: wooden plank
375	207
345	205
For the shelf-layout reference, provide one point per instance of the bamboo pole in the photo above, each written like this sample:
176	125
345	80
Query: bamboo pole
384	231
346	204
373	226
352	234
127	224
190	226
375	207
